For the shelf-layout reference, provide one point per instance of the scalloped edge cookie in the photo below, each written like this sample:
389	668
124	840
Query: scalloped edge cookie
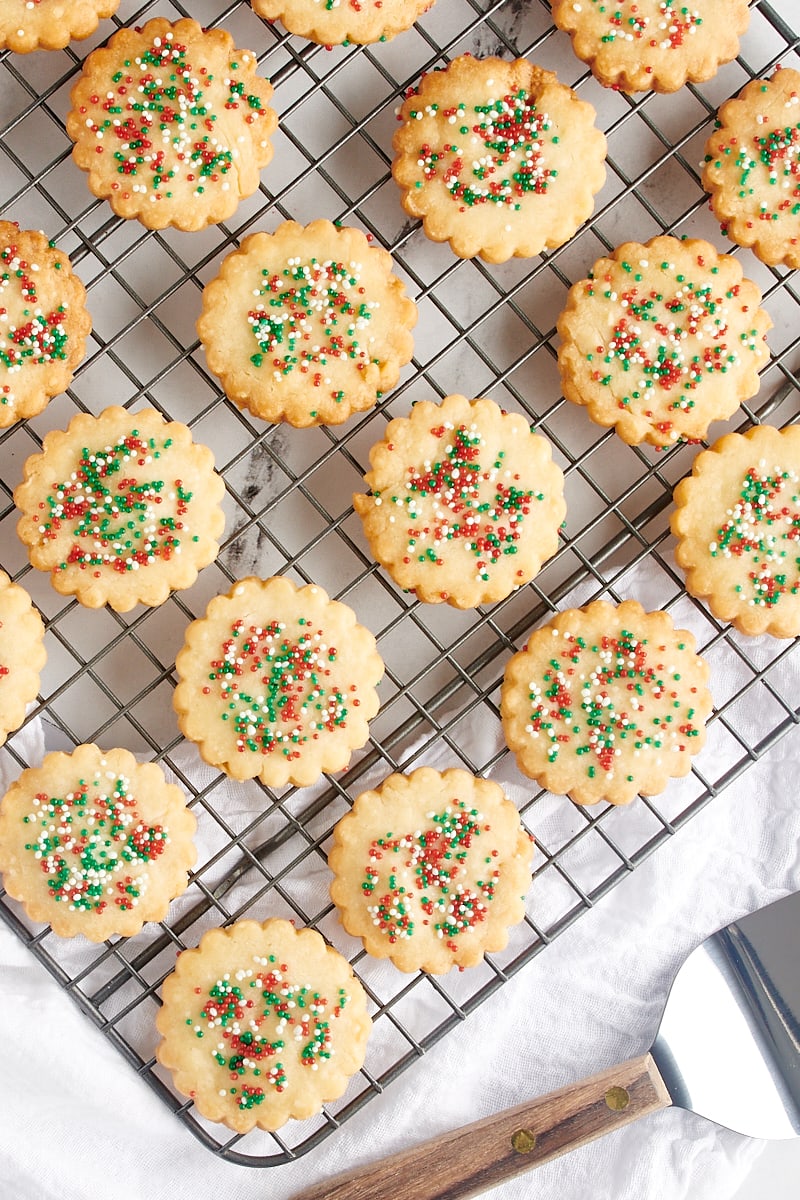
22	654
431	869
756	199
663	338
590	711
465	502
316	1011
745	567
358	21
307	324
178	518
44	322
534	190
156	854
50	26
639	47
187	180
282	728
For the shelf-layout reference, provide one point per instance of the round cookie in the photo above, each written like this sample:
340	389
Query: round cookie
752	168
658	44
27	25
465	502
605	702
662	339
121	509
431	869
44	322
172	124
307	325
22	654
332	22
262	1023
96	843
737	521
498	158
277	681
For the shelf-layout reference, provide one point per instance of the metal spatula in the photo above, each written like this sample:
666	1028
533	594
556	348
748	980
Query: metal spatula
728	1048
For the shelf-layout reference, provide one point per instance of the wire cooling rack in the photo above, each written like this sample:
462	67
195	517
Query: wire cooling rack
483	330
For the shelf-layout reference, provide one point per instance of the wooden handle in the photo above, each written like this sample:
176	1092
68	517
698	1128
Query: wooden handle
466	1161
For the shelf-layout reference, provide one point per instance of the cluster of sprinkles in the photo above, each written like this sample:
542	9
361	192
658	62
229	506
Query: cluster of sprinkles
667	341
767	165
92	846
605	698
424	878
665	29
511	161
457	499
763	530
252	1015
28	335
109	517
274	687
159	123
312	314
759	158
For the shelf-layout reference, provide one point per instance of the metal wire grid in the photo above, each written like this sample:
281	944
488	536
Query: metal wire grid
482	330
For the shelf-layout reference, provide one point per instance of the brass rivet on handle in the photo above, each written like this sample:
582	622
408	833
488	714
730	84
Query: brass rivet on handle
523	1141
617	1099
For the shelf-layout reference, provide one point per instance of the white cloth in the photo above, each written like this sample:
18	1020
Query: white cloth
78	1124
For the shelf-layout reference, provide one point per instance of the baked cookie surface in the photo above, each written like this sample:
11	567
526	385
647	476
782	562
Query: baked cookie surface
44	322
121	509
172	124
277	681
465	501
95	842
752	168
663	338
262	1023
737	521
431	869
307	324
658	44
22	654
605	702
49	24
498	158
330	24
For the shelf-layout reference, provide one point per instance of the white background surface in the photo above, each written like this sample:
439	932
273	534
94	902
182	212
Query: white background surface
775	1175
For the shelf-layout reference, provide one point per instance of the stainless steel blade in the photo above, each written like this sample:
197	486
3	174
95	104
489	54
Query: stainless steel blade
729	1042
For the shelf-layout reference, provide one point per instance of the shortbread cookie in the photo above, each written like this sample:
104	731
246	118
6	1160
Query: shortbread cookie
307	324
262	1023
121	509
22	654
658	44
606	701
465	502
172	124
96	843
27	25
44	322
331	22
737	521
278	682
752	168
662	339
431	869
498	158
